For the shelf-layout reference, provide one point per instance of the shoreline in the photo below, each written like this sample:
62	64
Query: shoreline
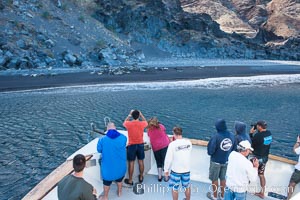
151	74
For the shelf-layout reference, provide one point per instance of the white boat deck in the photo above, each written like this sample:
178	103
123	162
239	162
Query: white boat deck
159	190
277	176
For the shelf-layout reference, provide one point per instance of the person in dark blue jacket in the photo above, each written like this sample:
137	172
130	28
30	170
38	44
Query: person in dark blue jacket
219	147
113	161
240	130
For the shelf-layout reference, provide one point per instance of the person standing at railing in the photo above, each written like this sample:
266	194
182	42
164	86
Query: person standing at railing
159	141
135	146
240	130
261	143
113	159
295	178
177	165
220	145
240	172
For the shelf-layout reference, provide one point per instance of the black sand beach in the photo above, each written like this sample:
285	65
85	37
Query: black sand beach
18	82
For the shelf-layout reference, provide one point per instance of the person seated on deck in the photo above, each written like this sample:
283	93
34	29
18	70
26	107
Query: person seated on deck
74	186
113	160
160	142
295	178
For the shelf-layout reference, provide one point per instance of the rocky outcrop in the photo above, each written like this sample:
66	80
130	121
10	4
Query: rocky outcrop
164	24
284	18
281	17
108	33
41	34
223	12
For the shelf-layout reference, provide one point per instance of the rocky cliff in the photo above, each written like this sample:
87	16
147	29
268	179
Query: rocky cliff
53	34
101	33
281	17
167	25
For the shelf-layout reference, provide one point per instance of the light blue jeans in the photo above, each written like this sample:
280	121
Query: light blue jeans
230	195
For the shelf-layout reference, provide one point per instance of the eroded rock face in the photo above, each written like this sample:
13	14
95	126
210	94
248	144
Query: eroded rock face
165	24
223	12
246	16
36	34
284	18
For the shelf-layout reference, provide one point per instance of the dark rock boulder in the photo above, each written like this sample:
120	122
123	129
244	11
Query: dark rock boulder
264	36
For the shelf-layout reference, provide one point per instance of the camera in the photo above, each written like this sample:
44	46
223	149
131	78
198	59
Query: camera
254	125
253	159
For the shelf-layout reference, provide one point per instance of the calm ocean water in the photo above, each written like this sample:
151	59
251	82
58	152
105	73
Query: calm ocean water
39	129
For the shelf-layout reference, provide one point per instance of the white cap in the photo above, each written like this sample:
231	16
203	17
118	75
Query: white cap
245	145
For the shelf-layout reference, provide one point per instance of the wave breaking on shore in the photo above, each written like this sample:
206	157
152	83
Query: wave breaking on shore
208	83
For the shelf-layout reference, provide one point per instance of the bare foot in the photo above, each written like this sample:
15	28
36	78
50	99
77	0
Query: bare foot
119	192
102	197
260	195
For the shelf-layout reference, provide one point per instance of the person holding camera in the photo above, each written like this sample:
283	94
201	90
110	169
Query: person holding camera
240	172
261	143
135	148
295	178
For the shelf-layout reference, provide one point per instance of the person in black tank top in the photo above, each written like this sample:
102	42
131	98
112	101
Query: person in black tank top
261	143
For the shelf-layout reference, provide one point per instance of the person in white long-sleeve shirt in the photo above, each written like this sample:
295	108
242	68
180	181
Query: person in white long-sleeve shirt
177	164
240	172
295	178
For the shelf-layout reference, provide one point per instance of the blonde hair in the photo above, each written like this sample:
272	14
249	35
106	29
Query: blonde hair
153	123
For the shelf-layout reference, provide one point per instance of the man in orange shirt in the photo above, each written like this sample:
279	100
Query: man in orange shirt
135	146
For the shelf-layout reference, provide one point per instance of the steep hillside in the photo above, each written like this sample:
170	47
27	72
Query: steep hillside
43	34
281	17
223	13
284	18
103	33
163	23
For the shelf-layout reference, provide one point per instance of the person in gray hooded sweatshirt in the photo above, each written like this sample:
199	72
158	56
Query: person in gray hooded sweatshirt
220	145
240	130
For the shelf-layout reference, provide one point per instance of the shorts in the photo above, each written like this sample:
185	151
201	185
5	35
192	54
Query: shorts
175	179
217	171
230	195
108	183
135	150
262	165
295	178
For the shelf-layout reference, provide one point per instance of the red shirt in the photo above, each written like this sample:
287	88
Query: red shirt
135	130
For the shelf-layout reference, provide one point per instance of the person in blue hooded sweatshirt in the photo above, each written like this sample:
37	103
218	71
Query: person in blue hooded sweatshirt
240	130
219	147
113	162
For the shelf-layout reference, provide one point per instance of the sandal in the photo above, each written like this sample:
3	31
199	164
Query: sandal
127	182
141	178
166	179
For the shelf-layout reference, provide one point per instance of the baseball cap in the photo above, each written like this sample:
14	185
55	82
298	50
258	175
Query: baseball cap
245	145
262	123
